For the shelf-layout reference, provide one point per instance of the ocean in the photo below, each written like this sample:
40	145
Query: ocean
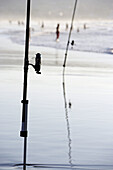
57	9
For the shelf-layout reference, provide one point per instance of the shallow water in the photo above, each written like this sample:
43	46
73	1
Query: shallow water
60	137
97	37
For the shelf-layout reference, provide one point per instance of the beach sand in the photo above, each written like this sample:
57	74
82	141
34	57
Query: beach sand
81	136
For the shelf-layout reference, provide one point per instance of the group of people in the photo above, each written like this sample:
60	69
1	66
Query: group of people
58	30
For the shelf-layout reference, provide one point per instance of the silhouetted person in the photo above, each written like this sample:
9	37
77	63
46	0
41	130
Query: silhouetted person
78	30
18	22
57	32
42	26
22	23
32	29
84	26
10	21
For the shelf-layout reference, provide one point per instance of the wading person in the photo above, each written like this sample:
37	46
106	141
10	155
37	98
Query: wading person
57	32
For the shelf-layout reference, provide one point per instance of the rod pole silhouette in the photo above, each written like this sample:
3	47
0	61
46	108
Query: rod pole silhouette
69	36
23	132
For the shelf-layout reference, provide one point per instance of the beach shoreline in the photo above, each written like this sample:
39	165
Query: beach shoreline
80	136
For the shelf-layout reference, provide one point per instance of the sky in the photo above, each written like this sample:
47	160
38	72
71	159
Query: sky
57	9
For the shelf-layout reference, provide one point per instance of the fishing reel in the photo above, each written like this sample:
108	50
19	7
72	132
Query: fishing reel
37	65
72	42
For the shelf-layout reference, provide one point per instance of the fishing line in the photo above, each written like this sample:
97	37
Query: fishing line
64	92
68	125
67	47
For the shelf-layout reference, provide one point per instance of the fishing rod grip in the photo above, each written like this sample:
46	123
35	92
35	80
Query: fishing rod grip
24	132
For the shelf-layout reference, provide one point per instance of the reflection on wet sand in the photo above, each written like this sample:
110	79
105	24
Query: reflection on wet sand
67	122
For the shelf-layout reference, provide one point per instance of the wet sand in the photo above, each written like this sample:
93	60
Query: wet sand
79	137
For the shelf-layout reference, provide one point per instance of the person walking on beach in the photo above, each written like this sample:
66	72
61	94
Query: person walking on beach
42	26
84	26
57	32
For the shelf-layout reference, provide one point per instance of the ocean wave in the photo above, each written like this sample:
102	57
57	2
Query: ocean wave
96	38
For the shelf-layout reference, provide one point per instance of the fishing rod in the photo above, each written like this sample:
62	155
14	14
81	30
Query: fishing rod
24	132
64	92
67	47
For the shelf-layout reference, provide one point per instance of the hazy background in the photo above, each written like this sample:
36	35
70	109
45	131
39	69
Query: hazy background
57	9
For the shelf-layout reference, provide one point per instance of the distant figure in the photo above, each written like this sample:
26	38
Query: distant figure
66	26
78	30
32	29
42	26
57	32
18	22
84	26
22	23
10	21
